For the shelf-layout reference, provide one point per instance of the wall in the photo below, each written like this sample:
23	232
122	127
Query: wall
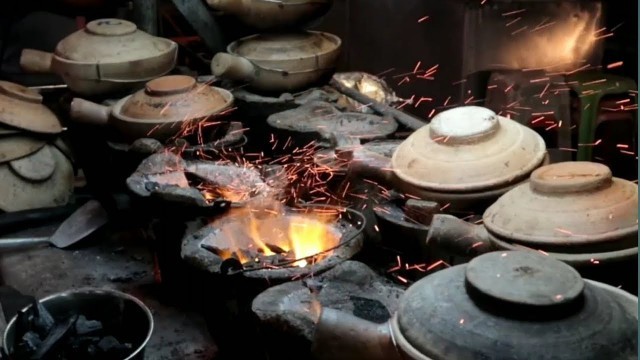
384	36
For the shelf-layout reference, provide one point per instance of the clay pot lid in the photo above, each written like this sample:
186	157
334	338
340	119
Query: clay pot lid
468	149
568	204
110	41
20	193
269	48
22	108
174	98
509	305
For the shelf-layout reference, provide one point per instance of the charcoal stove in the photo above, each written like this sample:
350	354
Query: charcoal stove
227	296
210	247
286	312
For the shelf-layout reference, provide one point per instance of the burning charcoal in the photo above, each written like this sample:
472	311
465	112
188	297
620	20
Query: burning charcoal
276	249
421	211
55	338
230	265
84	326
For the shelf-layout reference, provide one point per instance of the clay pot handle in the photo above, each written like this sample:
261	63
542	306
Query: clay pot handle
458	237
226	6
367	164
232	67
87	112
35	61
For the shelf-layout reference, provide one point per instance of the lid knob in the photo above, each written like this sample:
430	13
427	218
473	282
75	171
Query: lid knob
111	27
570	176
464	125
523	278
170	85
20	92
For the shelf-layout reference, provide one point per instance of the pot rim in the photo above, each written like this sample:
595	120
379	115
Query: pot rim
84	70
534	163
573	259
93	290
335	40
115	110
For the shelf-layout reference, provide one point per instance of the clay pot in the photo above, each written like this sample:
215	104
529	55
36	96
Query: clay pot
273	15
576	212
40	180
503	305
21	108
163	109
108	55
279	62
466	157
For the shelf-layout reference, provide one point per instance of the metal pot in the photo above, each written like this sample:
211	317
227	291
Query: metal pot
273	14
108	55
279	62
502	305
92	302
162	110
466	157
576	212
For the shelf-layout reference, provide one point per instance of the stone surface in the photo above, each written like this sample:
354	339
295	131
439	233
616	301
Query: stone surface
351	287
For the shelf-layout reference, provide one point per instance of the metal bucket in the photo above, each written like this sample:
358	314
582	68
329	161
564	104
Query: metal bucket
92	302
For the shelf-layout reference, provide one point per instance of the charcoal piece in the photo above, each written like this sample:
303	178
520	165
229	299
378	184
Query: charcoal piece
13	301
108	344
55	338
84	326
30	342
43	321
370	309
276	249
111	346
23	324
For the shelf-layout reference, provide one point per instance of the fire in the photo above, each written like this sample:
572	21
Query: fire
260	233
307	237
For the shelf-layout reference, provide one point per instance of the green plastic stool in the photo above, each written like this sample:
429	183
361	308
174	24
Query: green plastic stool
591	87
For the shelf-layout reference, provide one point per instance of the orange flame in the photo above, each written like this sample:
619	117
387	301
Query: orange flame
262	231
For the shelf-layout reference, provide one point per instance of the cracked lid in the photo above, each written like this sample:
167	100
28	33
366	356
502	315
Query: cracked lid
468	149
568	204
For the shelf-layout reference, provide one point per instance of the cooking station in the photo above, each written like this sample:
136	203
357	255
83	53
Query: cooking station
261	179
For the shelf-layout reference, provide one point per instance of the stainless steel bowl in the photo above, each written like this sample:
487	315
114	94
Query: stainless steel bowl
94	303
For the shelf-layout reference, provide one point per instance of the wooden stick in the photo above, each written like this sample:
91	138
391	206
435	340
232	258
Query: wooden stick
400	116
